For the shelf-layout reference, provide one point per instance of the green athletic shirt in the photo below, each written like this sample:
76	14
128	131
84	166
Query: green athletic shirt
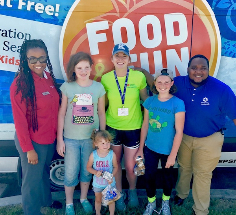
136	82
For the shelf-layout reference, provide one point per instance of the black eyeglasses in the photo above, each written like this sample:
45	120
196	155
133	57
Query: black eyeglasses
34	60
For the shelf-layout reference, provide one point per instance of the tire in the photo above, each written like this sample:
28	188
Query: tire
57	171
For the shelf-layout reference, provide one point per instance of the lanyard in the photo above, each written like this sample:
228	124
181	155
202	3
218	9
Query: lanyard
122	96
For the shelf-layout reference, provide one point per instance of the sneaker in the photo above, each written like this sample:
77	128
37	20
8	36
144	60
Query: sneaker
120	204
178	201
56	205
88	208
150	208
165	207
133	198
70	210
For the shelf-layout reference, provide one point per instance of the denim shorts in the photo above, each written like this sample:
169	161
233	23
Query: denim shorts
99	190
129	138
76	159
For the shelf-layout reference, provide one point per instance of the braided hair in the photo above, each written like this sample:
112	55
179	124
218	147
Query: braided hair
25	81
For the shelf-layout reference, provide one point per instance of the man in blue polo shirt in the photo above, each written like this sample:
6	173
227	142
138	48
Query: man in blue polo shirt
208	101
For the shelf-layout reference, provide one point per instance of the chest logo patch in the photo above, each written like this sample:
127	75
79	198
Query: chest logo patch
205	101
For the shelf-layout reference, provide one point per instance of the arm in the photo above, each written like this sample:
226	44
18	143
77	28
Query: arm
90	167
179	126
60	127
144	131
115	166
19	110
234	121
114	163
143	94
106	100
148	76
101	112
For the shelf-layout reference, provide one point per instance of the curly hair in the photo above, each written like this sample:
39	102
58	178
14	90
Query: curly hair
25	81
98	134
74	60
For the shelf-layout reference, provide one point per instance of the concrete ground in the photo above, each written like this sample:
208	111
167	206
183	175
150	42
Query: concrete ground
223	186
215	193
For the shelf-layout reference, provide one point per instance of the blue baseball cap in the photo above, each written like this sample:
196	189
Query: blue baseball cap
121	47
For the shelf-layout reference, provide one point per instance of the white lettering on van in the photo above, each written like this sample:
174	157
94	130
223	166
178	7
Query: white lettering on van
143	31
8	3
93	37
129	26
39	7
173	39
173	60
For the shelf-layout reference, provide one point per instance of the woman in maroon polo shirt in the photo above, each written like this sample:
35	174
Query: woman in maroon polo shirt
35	103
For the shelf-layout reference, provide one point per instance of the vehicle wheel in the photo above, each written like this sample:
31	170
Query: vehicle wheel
57	171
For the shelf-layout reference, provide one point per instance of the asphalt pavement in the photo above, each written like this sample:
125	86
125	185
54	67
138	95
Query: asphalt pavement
223	186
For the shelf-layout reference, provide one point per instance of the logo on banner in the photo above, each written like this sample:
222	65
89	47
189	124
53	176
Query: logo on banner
159	33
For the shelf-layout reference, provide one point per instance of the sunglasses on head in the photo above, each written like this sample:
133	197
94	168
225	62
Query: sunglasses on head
34	60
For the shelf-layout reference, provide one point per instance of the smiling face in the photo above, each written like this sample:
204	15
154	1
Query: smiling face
163	84
103	145
38	67
83	70
198	71
120	60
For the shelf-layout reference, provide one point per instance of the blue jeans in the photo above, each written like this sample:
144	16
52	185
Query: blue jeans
76	159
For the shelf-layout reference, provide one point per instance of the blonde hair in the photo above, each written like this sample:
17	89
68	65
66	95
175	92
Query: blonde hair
98	134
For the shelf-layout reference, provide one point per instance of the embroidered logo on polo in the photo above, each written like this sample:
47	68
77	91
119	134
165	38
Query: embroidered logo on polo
45	93
83	109
205	101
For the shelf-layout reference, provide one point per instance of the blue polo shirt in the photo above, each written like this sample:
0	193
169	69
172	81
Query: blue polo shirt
206	106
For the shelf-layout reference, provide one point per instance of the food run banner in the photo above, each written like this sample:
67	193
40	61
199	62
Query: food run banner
159	33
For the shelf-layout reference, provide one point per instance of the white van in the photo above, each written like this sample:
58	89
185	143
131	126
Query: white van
159	34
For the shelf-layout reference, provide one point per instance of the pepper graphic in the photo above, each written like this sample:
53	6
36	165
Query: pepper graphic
75	99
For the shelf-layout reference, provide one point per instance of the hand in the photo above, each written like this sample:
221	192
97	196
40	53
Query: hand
32	157
61	147
109	182
139	153
98	173
170	161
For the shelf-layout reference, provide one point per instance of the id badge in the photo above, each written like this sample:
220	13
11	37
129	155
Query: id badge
123	111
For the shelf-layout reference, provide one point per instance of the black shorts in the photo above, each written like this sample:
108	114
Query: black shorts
128	138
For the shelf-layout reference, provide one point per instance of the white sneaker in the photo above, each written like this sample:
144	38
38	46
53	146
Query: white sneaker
150	208
165	207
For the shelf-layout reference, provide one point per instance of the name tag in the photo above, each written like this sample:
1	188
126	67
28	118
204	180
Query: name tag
123	111
45	93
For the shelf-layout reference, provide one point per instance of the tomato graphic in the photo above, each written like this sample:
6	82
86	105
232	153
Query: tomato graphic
159	33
